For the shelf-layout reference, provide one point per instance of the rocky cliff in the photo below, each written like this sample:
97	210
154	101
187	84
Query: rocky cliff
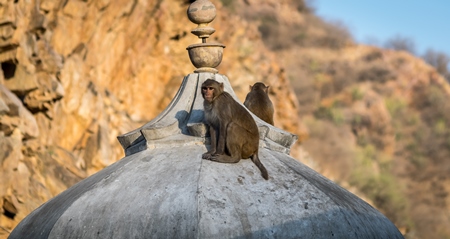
75	74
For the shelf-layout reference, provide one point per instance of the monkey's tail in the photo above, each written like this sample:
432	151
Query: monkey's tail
261	167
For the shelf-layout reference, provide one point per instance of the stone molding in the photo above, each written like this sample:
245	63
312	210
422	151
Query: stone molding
181	123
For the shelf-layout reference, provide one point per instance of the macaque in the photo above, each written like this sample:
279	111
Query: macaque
234	133
258	102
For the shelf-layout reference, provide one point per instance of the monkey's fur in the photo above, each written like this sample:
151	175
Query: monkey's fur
234	133
258	102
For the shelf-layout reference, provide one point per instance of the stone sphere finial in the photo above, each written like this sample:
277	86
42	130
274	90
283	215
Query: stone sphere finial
205	56
202	12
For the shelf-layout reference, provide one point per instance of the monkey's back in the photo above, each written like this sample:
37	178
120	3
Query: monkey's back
230	108
259	103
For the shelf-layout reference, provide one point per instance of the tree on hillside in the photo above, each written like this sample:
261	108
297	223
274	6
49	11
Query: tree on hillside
401	43
439	60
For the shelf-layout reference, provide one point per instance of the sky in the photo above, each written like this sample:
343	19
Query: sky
427	23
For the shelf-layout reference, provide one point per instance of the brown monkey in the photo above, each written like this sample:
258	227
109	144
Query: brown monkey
234	134
258	102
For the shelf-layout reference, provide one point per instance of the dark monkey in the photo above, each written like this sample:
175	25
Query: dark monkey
258	102
234	134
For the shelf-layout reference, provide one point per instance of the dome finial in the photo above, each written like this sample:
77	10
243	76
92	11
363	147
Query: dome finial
205	56
202	12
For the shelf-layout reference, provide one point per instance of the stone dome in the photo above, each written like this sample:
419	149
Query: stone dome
163	189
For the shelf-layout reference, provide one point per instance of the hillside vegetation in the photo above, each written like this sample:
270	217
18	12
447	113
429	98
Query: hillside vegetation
378	119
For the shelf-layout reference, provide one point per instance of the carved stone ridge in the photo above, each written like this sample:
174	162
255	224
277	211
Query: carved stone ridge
181	123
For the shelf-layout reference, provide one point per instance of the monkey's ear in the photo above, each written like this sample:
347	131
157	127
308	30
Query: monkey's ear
250	87
221	86
267	90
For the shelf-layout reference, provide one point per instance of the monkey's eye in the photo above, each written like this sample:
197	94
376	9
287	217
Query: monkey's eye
207	88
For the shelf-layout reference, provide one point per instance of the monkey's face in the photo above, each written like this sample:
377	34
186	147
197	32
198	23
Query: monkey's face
208	93
211	89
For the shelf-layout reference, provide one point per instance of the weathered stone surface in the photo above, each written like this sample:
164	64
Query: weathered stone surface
171	192
49	90
20	80
75	9
17	116
11	101
49	5
10	155
50	61
3	107
10	205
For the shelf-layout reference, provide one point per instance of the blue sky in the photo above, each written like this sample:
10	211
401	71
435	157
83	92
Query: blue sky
427	23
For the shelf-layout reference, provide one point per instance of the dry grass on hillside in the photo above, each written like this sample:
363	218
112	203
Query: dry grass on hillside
378	119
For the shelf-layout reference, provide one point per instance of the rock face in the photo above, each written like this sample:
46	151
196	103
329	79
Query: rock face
76	74
164	189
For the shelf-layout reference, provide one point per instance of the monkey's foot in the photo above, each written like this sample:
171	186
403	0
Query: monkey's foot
223	158
207	155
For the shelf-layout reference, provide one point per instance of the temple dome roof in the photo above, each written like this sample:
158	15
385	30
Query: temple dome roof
163	188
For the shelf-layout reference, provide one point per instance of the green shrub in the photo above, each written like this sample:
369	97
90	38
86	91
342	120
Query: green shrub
379	185
440	127
357	94
228	4
333	113
395	106
376	72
